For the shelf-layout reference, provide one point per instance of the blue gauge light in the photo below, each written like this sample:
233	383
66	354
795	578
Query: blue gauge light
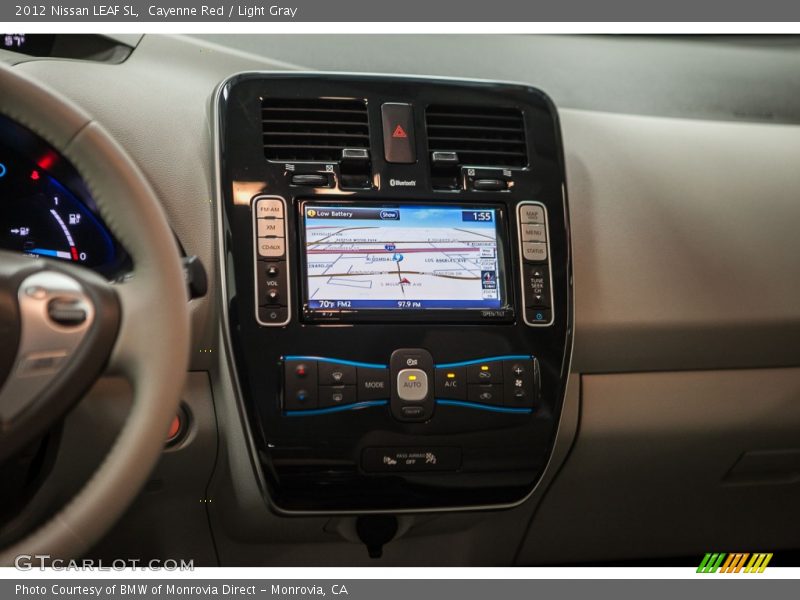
3	170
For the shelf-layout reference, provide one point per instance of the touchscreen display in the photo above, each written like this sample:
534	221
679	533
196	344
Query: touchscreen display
407	257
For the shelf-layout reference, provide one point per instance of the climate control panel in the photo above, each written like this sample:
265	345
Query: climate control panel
411	384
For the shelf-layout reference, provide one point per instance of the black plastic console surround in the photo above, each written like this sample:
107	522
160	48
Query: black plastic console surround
394	410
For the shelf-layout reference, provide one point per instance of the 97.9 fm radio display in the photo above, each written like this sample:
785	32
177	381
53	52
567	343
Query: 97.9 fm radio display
410	257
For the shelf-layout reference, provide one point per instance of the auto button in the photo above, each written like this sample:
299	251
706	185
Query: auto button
412	385
412	398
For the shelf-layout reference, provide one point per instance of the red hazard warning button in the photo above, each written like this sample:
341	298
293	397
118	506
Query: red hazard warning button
398	133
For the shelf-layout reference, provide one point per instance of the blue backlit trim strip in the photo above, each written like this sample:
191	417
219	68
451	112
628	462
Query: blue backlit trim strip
487	407
335	409
338	361
478	361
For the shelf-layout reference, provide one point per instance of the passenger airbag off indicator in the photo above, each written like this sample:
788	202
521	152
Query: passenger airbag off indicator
398	133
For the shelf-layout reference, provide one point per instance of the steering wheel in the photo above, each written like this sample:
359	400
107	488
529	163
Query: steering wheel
62	326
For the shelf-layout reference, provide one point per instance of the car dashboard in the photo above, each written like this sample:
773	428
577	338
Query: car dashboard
526	299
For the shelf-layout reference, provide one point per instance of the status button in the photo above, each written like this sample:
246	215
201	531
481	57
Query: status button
534	251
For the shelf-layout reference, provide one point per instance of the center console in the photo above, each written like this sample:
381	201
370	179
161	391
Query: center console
397	287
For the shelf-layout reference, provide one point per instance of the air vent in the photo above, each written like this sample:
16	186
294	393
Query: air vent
480	135
313	129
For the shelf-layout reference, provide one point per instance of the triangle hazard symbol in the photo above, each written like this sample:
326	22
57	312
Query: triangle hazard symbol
399	132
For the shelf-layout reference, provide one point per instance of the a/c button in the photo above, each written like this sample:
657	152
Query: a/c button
412	385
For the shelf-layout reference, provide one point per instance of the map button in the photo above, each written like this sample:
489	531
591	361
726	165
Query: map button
412	385
531	213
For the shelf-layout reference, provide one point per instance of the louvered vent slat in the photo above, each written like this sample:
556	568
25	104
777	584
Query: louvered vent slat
315	129
481	136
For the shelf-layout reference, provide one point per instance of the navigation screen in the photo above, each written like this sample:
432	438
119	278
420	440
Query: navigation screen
401	258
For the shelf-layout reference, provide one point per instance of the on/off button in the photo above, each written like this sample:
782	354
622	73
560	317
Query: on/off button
412	385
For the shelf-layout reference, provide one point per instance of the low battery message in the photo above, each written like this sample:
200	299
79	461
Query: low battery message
402	258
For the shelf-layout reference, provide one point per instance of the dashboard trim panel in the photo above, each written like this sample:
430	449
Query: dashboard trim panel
229	352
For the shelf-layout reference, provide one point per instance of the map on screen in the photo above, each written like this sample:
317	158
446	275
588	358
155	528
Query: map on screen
402	258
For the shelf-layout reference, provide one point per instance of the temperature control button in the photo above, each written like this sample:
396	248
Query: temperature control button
300	385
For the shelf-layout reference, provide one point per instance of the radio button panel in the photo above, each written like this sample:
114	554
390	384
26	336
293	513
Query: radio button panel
534	264
271	261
